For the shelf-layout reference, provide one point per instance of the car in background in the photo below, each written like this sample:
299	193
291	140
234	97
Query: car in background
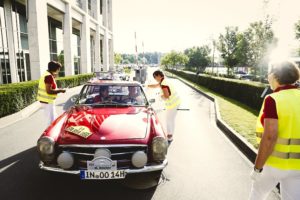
247	77
123	76
103	76
239	74
111	75
118	137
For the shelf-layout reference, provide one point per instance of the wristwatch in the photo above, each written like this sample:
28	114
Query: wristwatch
258	170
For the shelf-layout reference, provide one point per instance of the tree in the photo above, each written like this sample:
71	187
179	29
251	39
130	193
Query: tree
261	39
297	29
61	60
126	61
297	32
128	58
117	58
198	57
165	61
243	49
150	58
174	59
227	45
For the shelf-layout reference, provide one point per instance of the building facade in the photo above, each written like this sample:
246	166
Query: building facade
76	33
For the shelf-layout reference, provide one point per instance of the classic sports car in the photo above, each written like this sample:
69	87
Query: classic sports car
111	132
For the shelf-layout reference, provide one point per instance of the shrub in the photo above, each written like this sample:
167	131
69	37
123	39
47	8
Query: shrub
247	93
16	96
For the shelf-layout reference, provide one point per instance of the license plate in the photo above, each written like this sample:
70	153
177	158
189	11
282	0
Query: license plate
102	174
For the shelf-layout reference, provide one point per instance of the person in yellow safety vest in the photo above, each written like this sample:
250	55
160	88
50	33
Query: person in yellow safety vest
171	100
278	135
47	90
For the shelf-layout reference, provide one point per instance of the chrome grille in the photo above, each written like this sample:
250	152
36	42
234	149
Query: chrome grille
121	153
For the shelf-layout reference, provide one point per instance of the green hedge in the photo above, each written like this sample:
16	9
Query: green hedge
247	93
16	96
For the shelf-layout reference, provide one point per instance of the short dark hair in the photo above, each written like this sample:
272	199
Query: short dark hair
158	73
53	66
103	88
285	72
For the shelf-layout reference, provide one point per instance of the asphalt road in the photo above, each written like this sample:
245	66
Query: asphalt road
203	164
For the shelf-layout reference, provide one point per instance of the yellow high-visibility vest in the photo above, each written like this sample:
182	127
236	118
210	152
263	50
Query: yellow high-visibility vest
42	93
174	99
286	153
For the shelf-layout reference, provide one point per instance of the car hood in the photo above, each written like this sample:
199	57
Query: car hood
105	124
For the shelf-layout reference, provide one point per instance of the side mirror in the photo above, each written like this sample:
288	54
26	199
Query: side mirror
74	98
151	100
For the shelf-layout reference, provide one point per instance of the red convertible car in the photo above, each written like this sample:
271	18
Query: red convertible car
111	132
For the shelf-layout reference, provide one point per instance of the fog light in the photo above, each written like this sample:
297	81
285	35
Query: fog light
139	159
102	152
65	160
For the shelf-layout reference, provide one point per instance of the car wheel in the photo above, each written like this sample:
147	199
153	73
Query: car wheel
149	180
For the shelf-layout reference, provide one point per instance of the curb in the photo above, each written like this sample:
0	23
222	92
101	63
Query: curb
25	112
242	144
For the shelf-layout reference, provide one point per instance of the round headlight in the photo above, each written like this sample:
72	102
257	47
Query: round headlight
65	160
139	159
45	145
102	152
159	148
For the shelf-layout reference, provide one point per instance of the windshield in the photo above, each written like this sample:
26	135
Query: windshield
112	95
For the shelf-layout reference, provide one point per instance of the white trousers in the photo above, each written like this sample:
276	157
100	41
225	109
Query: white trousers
289	184
49	111
170	120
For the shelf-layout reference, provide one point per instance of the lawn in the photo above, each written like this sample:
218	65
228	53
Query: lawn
237	115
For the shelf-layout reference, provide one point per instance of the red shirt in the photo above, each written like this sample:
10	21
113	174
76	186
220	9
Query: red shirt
98	98
50	80
165	86
270	111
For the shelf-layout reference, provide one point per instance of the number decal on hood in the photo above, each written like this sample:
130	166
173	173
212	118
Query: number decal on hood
82	131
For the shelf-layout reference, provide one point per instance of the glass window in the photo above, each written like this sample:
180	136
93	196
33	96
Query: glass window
56	43
122	95
3	29
27	61
92	53
107	5
109	50
78	3
53	56
21	68
53	46
5	75
76	50
101	7
89	4
5	67
23	32
1	36
20	35
2	19
101	50
24	41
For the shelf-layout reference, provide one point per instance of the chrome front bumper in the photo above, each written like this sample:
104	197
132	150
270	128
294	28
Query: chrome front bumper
128	171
